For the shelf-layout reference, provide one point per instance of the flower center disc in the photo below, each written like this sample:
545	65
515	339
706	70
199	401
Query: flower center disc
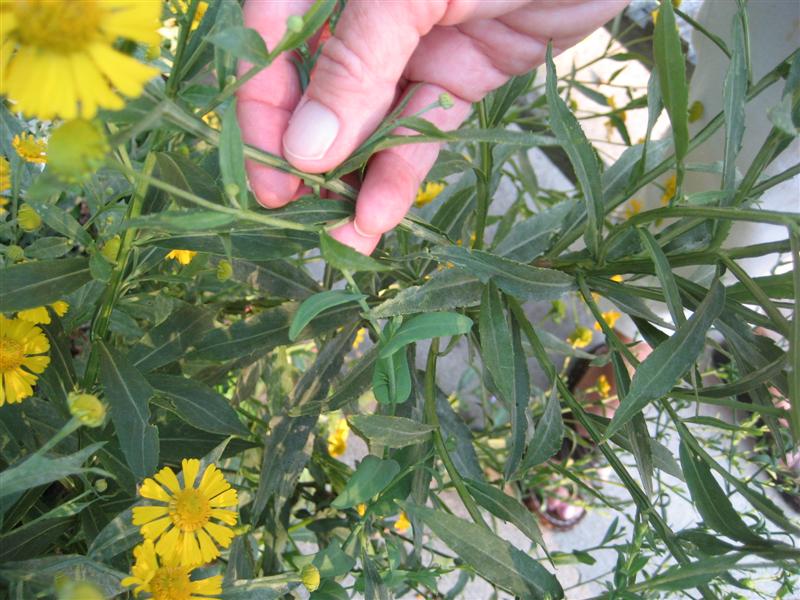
11	354
189	510
171	583
62	25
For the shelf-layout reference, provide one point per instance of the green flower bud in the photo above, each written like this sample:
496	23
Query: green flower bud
310	576
101	485
446	101
28	219
110	249
87	408
76	150
224	270
294	24
79	590
231	190
14	253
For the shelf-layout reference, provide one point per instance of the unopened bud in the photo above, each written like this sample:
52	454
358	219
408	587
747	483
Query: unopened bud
110	249
224	270
445	101
231	190
14	253
294	24
87	408
28	219
101	485
310	576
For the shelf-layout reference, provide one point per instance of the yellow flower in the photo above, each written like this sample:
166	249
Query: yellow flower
22	346
612	104
696	111
610	317
30	148
182	256
361	335
361	509
426	194
603	386
581	337
180	524
633	208
654	14
41	315
165	579
78	590
402	524
202	7
87	408
67	49
5	177
28	219
310	577
617	278
212	120
76	150
337	439
670	186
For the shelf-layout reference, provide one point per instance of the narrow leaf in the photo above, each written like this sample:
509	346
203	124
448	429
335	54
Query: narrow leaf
425	327
345	258
507	508
33	284
231	156
391	432
547	436
370	477
314	305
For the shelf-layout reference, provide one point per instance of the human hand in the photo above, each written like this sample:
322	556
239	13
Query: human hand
379	49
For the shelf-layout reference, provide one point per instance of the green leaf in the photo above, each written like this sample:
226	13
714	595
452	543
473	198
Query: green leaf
251	243
671	67
48	248
451	288
311	210
243	43
531	238
181	172
169	340
181	221
670	360
711	501
279	278
314	305
547	436
345	258
515	278
581	156
231	156
391	380
329	590
371	477
697	573
61	221
99	267
458	437
128	393
198	405
507	508
41	572
33	284
37	470
664	274
425	327
491	557
352	386
391	432
734	93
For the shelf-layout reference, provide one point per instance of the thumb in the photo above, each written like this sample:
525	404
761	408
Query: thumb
354	82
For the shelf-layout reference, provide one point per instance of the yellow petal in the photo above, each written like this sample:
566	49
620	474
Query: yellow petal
168	479
124	72
226	498
223	535
37	364
213	482
150	489
168	543
145	514
210	586
207	547
190	551
190	468
154	529
226	516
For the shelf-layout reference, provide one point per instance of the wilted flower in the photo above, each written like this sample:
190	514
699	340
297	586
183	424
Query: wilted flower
87	408
310	577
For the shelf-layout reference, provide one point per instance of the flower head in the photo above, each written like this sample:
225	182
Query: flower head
87	408
41	315
428	193
180	523
610	317
30	148
617	278
310	577
402	524
634	208
5	176
670	187
22	349
67	48
361	335
581	337
603	386
28	219
76	150
224	270
78	590
166	579
182	256
337	439
361	509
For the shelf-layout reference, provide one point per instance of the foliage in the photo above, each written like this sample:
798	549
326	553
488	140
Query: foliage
201	326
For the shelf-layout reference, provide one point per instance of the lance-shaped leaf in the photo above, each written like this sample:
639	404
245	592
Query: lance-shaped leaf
425	327
392	432
33	284
670	360
547	436
311	307
370	477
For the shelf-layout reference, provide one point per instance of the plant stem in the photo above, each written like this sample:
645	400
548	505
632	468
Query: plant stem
438	440
484	180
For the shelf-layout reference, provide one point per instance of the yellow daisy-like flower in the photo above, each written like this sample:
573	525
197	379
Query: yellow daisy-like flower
603	386
610	317
22	349
634	208
361	509
426	194
3	204
182	256
165	579
670	187
30	148
180	525
581	337
57	56
402	524
337	439
617	278
310	577
40	314
361	335
5	176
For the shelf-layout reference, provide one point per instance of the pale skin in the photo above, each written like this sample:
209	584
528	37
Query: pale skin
466	48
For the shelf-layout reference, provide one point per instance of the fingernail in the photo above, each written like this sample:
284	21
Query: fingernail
312	130
361	232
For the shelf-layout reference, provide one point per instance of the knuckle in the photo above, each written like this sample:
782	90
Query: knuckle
342	63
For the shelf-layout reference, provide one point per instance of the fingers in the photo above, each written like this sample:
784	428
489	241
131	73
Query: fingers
394	175
266	102
354	82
